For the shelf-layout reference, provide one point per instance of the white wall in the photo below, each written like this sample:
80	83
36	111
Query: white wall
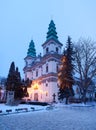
52	47
52	66
29	75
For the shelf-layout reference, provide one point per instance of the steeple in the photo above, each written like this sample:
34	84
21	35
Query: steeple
31	51
52	31
52	44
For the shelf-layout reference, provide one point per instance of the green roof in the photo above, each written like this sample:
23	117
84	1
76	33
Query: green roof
51	31
31	50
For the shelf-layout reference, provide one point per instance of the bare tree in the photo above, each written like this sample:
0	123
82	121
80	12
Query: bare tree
85	60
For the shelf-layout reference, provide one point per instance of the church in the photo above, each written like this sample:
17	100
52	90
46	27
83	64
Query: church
43	70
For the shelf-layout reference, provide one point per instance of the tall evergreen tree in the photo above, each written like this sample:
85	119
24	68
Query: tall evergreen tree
65	75
14	82
11	77
70	58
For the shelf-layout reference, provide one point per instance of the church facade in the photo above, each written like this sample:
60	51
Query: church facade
43	70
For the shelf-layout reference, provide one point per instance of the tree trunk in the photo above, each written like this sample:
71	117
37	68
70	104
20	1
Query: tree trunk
66	102
84	97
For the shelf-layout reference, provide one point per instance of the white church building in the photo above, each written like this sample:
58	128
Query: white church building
42	70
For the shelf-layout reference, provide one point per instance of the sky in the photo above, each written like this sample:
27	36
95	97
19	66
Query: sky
23	20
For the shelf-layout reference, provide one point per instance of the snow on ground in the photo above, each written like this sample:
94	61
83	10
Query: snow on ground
60	118
4	107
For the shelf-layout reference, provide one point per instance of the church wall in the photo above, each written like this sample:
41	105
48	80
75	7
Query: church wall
36	70
51	48
52	66
44	90
48	91
40	71
52	45
53	90
34	73
29	61
44	51
44	69
28	75
47	88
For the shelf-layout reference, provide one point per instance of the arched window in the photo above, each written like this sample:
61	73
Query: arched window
57	49
46	84
46	93
36	73
57	68
47	50
47	68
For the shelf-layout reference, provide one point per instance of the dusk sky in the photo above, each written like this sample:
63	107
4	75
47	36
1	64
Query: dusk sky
23	20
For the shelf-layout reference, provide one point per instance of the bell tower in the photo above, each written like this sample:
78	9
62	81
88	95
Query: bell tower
29	59
31	54
52	44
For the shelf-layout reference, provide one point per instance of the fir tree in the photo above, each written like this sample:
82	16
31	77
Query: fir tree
70	58
18	88
65	74
11	77
14	82
61	94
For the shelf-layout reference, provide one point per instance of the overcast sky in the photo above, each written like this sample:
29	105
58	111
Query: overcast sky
23	20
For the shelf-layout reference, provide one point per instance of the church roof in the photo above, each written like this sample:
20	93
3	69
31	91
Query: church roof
51	31
31	51
52	34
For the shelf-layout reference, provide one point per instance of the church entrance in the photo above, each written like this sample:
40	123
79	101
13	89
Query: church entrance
35	96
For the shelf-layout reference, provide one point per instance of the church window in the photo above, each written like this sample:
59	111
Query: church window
36	73
46	93
57	49
57	68
46	68
41	70
46	84
47	50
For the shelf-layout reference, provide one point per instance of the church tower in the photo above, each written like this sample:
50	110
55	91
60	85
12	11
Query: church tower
29	59
31	51
52	44
42	70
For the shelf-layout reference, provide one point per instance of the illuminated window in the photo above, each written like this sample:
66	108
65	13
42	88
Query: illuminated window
36	87
46	93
